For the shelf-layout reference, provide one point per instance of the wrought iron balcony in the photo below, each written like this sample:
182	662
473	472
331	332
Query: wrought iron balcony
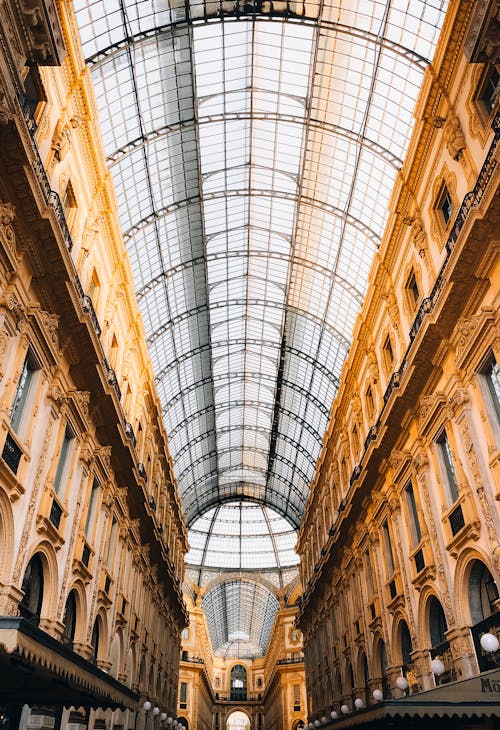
129	433
443	652
112	379
51	197
88	307
490	625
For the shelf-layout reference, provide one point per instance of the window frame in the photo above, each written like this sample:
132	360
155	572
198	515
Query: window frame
25	389
370	401
388	354
413	515
69	203
447	466
486	107
90	517
444	196
64	461
491	397
410	287
390	565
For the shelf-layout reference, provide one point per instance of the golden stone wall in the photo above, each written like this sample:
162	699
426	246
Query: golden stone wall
276	695
402	528
86	480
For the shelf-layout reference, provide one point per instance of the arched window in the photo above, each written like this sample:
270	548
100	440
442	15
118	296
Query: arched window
337	686
142	674
381	655
238	682
94	641
482	592
366	676
437	622
69	619
405	643
350	679
32	587
382	658
183	721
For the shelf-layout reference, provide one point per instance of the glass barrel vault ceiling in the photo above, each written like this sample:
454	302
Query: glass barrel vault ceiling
240	615
242	536
253	149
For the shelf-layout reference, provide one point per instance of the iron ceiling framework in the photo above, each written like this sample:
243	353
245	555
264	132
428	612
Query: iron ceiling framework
241	536
240	615
253	148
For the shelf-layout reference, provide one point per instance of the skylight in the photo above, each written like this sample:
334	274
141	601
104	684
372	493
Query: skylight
253	157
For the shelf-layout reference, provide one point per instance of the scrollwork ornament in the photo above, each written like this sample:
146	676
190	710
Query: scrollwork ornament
57	394
7	214
397	459
105	454
37	484
51	323
466	329
421	461
372	363
4	341
425	405
5	112
441	575
82	398
453	135
392	308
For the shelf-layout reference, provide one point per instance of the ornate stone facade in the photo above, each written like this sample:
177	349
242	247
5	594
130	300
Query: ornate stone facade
92	539
275	683
393	577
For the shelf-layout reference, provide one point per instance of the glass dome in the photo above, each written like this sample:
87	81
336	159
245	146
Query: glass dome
242	536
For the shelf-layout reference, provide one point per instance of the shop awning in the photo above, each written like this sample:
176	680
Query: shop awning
36	668
469	699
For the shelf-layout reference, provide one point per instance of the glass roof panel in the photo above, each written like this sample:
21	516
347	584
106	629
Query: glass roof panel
242	535
253	158
240	615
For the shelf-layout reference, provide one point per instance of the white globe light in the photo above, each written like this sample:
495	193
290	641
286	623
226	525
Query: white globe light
378	695
147	705
345	709
489	642
402	683
317	723
358	703
437	666
323	720
334	715
175	723
311	726
156	711
169	720
163	716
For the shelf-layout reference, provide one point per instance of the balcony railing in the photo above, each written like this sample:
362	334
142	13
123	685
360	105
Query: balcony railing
443	651
470	201
51	197
491	625
239	699
291	660
88	307
129	432
111	378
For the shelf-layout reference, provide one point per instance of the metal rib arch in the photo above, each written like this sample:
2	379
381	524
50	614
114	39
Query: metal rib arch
253	158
